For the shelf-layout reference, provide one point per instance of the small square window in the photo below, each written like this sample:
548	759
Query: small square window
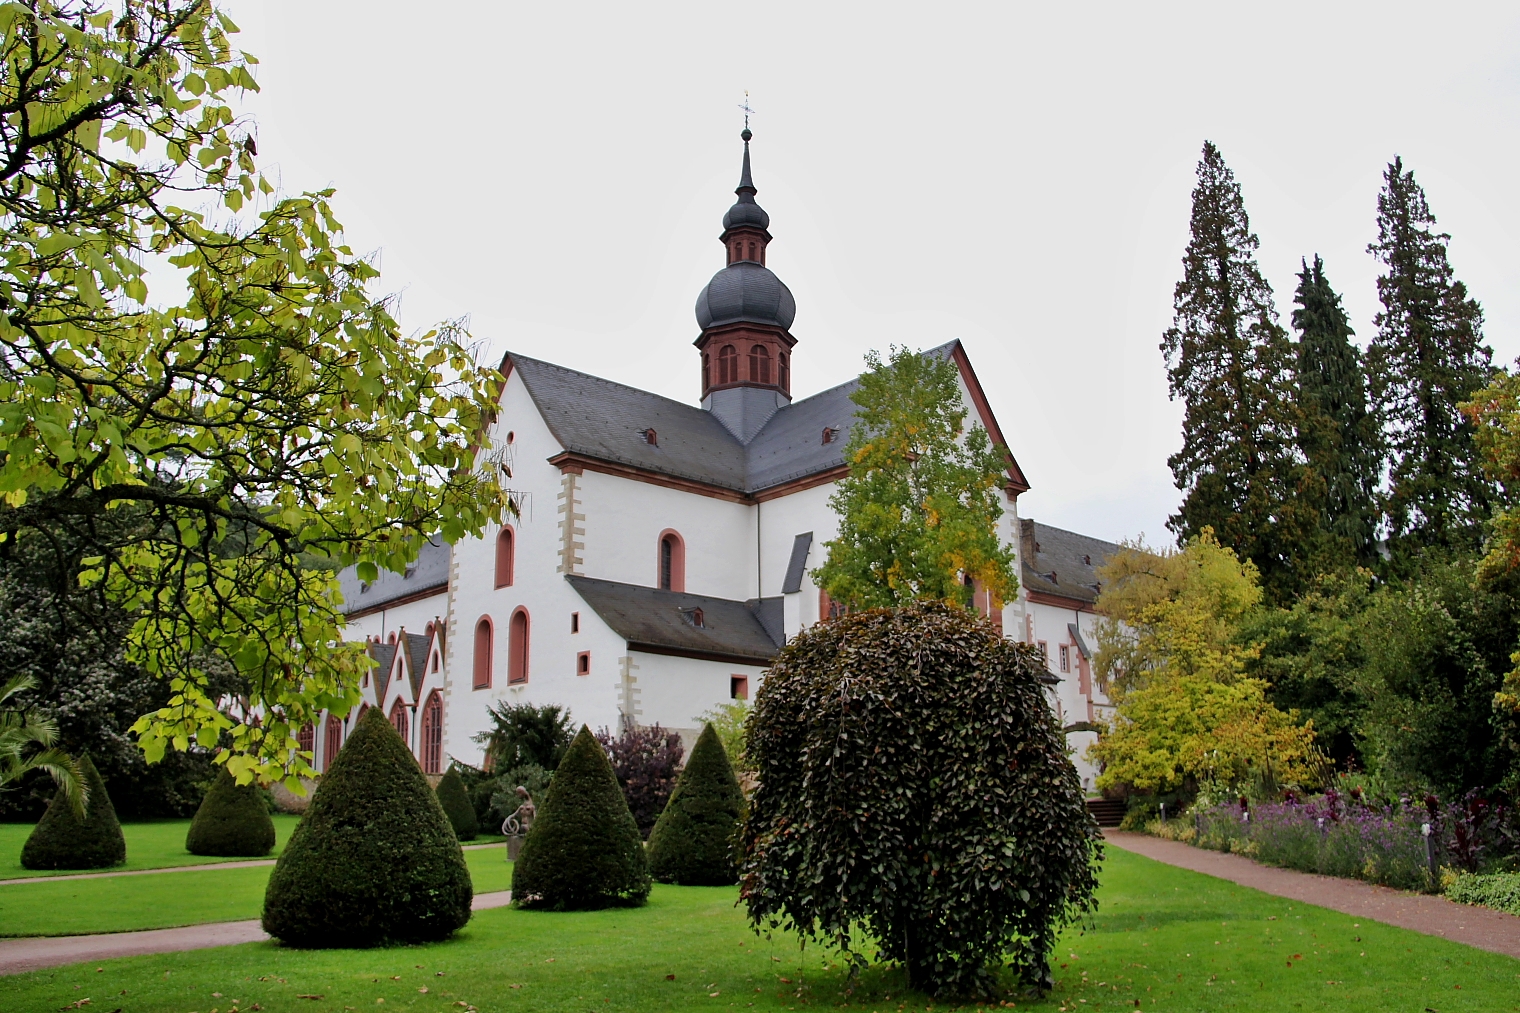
738	687
575	622
1044	651
583	663
1065	658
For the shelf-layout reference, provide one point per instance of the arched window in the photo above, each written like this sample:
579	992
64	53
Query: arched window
728	364
517	648
783	375
432	735
506	556
706	372
333	741
362	709
306	738
751	251
760	364
485	637
670	573
398	718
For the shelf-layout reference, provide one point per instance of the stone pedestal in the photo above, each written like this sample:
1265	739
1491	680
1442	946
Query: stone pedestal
514	846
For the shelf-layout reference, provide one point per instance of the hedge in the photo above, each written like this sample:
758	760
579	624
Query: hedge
62	840
232	820
457	806
693	843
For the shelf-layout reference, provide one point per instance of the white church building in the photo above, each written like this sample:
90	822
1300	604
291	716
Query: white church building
664	550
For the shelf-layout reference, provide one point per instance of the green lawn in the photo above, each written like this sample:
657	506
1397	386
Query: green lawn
1174	940
157	844
163	900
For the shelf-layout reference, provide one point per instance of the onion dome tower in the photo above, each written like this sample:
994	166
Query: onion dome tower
746	315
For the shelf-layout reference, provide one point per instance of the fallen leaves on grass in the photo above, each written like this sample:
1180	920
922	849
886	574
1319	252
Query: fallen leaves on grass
76	1004
307	995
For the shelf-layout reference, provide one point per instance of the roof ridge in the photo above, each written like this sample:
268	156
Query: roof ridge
611	383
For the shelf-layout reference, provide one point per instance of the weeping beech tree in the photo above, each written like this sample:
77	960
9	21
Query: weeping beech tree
915	792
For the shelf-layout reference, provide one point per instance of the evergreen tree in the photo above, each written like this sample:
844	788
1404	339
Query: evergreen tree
374	859
584	850
694	841
457	806
232	820
1230	362
1337	434
63	839
1427	357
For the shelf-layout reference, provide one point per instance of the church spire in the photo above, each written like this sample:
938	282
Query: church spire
745	225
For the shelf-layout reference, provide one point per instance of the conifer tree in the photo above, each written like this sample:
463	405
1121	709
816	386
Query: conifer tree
1336	432
1231	363
64	839
694	843
232	820
1427	357
457	806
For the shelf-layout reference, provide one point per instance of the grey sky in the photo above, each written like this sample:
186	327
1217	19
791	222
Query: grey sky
1017	176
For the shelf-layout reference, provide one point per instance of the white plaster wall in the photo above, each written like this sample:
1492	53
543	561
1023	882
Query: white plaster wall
414	616
1050	625
624	520
673	691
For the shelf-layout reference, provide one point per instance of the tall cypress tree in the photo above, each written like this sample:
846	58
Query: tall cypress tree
1337	434
1231	363
1427	357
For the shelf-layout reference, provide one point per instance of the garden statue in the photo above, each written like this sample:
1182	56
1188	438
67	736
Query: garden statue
517	825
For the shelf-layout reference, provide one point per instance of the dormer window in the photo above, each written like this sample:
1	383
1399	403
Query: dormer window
651	438
694	617
830	434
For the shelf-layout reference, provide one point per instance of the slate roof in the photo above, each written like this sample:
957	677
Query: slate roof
429	572
1060	562
748	632
385	655
416	657
606	420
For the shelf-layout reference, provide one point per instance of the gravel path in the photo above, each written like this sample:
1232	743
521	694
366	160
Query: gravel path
1485	929
32	954
180	868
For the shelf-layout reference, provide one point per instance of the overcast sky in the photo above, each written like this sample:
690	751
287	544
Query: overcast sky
1016	176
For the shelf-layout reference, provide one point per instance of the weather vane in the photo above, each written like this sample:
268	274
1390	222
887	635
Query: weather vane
747	110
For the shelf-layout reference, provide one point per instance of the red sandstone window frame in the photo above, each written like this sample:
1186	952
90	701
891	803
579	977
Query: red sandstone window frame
306	738
783	376
506	556
485	647
332	740
432	734
519	633
400	721
738	687
583	663
759	364
728	365
675	578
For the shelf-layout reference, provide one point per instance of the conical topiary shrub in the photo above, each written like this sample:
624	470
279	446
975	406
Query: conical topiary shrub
232	820
457	806
694	839
584	850
62	840
374	859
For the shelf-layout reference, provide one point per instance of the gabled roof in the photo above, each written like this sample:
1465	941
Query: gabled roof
416	662
427	576
1061	563
606	421
663	622
385	658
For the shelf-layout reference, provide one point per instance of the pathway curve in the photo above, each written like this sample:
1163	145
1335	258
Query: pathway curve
1483	928
33	954
180	868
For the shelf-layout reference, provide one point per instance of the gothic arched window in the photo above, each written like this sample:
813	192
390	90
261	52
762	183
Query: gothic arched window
517	648
432	735
306	738
506	556
728	364
398	719
760	364
333	741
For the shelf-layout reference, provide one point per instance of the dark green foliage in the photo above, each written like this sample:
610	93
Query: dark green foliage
1427	357
525	733
585	850
374	859
1337	434
70	640
1231	364
694	842
456	806
915	794
233	820
646	760
62	840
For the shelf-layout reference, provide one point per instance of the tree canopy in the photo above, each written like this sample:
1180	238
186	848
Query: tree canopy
918	512
261	412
